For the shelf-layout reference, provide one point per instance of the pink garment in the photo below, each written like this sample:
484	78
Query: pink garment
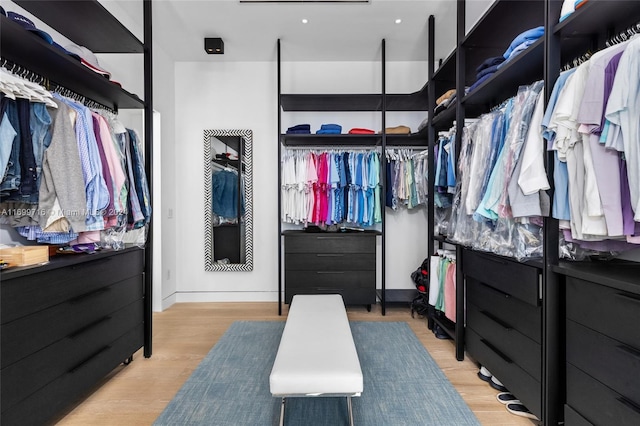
115	169
450	292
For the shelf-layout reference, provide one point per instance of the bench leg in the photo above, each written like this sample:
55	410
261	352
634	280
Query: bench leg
282	412
350	411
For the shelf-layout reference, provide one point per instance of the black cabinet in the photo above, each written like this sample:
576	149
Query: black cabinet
331	263
603	346
64	326
504	322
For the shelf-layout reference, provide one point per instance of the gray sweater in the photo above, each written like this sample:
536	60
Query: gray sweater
62	173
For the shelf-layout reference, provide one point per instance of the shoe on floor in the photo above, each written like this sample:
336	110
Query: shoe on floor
507	398
440	333
484	374
520	410
495	383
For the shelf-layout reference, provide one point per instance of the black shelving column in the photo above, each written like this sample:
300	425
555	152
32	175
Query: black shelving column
279	228
552	294
383	298
460	112
148	140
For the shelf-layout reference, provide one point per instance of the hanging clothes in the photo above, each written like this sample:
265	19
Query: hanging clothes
331	187
83	171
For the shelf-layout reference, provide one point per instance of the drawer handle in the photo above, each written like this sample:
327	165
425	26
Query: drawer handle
88	326
331	289
497	320
629	350
89	358
92	263
329	238
500	354
330	254
628	297
500	292
330	272
494	260
630	404
88	295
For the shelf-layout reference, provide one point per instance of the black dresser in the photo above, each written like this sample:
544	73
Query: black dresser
504	322
64	326
603	344
322	263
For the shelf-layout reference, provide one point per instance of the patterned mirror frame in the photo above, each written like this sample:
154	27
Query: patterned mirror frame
209	264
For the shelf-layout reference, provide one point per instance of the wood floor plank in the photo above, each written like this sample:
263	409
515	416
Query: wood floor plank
183	334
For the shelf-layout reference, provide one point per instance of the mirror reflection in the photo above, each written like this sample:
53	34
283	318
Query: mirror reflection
228	200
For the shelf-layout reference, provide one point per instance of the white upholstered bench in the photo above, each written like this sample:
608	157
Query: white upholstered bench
317	355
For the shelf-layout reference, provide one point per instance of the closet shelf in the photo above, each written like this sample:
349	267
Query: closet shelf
595	20
414	139
526	67
447	325
398	295
502	22
444	120
300	231
417	101
32	52
331	102
596	15
330	140
446	73
99	31
619	274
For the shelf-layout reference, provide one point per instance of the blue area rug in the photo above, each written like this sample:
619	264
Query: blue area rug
402	383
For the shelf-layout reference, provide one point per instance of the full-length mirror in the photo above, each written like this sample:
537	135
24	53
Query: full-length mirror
228	190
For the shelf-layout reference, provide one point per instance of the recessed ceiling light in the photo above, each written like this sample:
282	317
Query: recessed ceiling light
305	20
398	21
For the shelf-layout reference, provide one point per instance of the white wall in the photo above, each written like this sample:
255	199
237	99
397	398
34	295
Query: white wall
238	95
164	81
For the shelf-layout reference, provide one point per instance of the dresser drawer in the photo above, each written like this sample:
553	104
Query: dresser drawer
330	261
521	316
22	296
610	311
26	376
40	406
513	278
22	337
514	378
611	362
331	279
351	296
330	243
573	418
597	403
505	339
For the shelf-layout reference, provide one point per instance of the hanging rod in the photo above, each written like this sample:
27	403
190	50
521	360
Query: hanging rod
624	35
27	74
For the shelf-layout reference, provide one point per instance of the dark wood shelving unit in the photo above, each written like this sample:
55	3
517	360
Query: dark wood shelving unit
96	29
331	102
32	52
525	68
342	139
365	102
87	23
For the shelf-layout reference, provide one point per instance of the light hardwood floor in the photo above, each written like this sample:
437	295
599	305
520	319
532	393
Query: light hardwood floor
183	334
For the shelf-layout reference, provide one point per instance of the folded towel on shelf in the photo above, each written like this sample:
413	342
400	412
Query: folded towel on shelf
299	129
329	129
568	7
449	93
361	131
397	130
532	34
490	62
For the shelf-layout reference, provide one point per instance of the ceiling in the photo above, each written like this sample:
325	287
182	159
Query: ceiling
334	32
